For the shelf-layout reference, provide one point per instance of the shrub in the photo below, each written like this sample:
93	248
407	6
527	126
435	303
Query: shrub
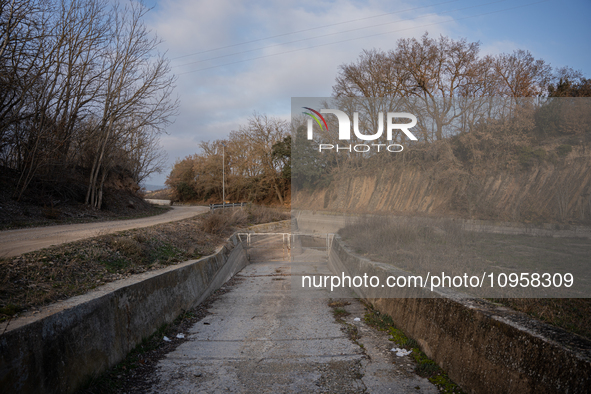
564	150
221	220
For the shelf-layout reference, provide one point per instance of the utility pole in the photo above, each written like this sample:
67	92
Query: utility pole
223	176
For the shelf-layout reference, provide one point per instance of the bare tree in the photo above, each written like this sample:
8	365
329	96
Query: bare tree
144	154
446	84
253	170
522	75
136	83
264	132
81	83
23	25
431	73
437	72
374	74
69	83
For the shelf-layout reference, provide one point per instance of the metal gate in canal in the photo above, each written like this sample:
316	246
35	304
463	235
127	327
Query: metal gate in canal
285	246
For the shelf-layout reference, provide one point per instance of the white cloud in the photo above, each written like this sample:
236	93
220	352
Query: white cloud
497	47
216	101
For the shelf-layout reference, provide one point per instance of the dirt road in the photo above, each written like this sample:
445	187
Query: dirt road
16	242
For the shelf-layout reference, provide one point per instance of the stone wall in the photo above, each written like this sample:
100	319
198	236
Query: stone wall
483	347
69	343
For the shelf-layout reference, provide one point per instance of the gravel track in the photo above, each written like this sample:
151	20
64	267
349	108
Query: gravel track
17	242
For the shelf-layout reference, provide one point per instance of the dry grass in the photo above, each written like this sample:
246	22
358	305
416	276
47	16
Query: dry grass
222	220
258	214
572	314
422	245
338	304
49	275
419	245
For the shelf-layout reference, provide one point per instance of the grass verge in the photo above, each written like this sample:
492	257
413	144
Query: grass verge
96	217
35	279
338	312
425	367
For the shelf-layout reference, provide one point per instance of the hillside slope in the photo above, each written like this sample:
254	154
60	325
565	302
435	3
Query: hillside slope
551	188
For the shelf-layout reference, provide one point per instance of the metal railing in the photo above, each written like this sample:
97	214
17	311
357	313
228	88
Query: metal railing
287	240
213	207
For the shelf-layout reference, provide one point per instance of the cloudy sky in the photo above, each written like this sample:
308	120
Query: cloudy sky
236	57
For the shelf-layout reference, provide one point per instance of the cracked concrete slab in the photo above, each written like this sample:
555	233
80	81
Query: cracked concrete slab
383	371
262	337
